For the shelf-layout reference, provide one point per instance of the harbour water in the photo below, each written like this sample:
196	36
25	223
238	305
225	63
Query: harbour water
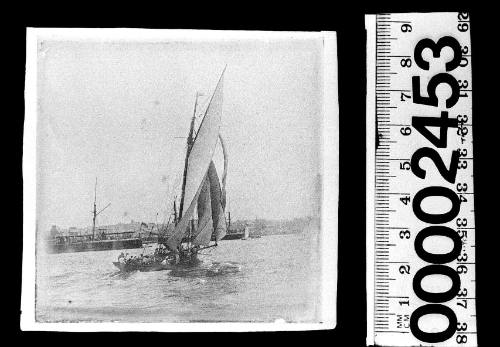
275	277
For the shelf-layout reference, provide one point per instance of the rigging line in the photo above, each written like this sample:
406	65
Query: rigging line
168	198
203	109
165	213
166	201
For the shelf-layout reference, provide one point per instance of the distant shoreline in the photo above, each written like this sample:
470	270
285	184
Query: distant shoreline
260	226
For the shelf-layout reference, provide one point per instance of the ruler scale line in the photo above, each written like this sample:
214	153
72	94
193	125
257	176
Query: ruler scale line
392	185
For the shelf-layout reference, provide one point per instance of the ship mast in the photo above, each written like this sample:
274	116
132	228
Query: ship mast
188	150
228	214
94	212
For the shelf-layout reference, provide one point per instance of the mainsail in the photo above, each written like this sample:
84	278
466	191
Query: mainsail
200	157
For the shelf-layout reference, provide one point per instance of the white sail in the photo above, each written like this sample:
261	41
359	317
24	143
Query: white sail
203	238
199	160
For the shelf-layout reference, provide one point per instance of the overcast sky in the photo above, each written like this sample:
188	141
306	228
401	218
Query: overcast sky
121	112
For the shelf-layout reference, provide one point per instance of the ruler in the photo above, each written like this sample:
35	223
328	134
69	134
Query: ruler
420	196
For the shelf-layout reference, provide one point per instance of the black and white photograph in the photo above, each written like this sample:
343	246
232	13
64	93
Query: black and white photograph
175	178
232	174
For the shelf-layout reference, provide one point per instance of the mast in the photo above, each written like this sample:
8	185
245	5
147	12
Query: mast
95	210
228	215
188	150
201	148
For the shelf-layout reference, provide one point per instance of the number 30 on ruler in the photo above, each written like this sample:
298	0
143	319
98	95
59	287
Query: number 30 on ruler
420	201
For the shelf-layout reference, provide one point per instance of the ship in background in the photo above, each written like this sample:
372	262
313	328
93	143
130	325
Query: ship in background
235	232
100	241
203	195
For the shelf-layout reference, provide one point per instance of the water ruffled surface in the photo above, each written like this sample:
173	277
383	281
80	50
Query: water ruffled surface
261	280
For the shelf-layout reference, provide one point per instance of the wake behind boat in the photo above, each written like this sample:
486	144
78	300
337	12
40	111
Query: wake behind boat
201	190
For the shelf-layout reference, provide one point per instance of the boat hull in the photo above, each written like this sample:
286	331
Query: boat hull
233	236
90	246
155	266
